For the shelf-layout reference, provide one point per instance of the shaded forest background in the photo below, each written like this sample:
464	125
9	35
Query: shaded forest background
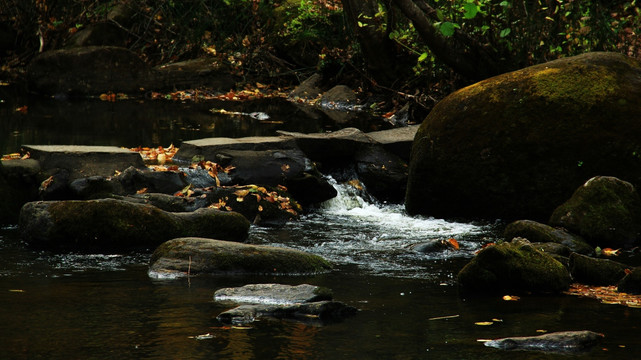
415	50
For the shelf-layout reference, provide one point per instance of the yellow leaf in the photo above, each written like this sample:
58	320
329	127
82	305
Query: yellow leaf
484	323
141	191
511	298
241	193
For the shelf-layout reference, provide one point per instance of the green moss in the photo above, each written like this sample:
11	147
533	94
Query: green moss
578	83
515	266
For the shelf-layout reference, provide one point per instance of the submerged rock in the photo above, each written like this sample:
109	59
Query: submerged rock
592	271
537	232
563	341
605	211
303	302
513	267
207	256
518	144
115	225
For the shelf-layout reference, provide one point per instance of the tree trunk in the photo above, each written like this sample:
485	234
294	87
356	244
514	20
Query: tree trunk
377	48
460	52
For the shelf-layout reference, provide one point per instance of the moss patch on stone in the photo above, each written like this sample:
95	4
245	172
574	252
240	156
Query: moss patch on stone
513	267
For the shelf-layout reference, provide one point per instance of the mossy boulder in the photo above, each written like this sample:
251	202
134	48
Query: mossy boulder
537	232
115	225
593	271
513	267
195	255
605	211
517	145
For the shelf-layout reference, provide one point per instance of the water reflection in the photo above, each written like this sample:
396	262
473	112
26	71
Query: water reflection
131	123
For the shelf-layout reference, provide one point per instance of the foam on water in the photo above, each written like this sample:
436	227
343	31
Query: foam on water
352	229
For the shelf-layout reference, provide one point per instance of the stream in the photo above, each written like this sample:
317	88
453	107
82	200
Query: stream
105	306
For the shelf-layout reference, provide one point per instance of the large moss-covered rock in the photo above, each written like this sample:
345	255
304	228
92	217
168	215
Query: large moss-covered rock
605	211
537	232
115	225
513	267
208	256
593	271
517	145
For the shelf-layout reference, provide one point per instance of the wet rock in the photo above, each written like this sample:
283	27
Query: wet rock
334	148
537	232
269	161
273	294
383	173
168	202
516	145
552	248
563	342
207	256
309	89
115	225
92	187
432	246
631	283
303	302
340	97
166	182
605	211
592	271
397	141
83	161
513	267
88	70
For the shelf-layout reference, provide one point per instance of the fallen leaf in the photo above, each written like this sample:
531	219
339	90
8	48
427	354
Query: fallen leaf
22	109
511	298
241	192
45	184
141	191
453	243
484	323
610	252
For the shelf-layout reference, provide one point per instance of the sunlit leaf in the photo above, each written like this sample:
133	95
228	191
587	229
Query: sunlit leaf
141	191
241	192
484	323
511	298
610	252
447	28
453	243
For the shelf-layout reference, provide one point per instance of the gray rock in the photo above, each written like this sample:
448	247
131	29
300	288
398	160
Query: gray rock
115	225
321	312
562	342
207	256
338	146
132	180
605	211
83	161
303	302
397	141
537	232
209	148
592	271
513	267
273	294
383	173
309	89
340	97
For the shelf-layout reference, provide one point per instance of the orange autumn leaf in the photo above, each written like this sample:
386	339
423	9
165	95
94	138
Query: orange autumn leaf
453	243
610	252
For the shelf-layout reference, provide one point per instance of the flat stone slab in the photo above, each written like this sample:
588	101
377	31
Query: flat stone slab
307	303
398	140
83	161
208	148
563	341
273	294
341	144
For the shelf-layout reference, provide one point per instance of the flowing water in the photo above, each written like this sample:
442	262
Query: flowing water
105	306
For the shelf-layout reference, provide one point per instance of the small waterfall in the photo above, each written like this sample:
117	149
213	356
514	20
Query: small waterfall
355	229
